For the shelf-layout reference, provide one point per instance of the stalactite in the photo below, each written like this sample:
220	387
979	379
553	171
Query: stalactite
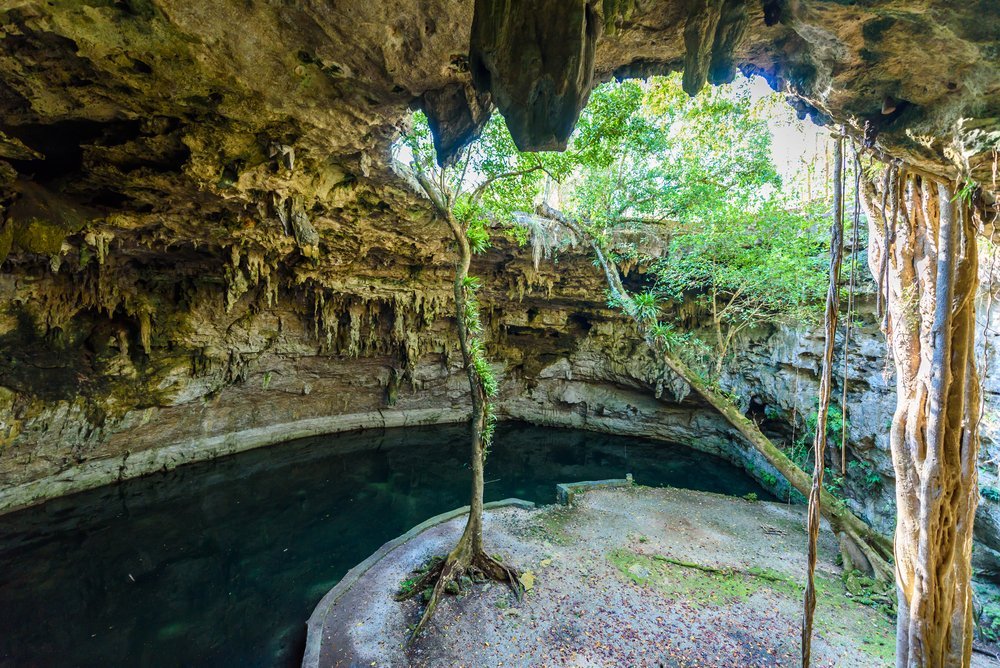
699	36
101	241
146	331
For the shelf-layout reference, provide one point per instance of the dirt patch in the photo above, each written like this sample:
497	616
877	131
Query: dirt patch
638	576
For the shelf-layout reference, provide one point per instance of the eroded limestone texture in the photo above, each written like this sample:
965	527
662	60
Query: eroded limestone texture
201	233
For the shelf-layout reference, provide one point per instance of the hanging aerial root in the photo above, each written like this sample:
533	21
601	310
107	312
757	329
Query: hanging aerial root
826	380
444	576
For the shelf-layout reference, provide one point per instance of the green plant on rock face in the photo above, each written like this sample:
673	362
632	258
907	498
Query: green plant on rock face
800	451
662	333
835	485
865	472
988	622
990	493
479	238
646	306
732	397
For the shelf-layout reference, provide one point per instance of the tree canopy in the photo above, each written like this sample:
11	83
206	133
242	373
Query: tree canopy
686	186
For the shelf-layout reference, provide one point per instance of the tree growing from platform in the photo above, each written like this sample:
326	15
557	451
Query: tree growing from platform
487	178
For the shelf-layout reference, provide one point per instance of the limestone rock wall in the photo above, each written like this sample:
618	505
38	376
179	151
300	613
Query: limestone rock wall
201	233
233	358
92	394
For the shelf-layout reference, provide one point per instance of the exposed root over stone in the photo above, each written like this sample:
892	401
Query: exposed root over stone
454	574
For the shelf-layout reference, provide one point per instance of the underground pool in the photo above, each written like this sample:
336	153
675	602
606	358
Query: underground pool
221	563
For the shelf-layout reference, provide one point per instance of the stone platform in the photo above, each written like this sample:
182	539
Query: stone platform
624	577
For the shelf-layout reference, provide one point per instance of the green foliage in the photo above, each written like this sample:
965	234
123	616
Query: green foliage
990	493
746	265
966	192
988	623
835	425
647	308
479	239
663	333
406	587
865	473
834	484
800	452
649	162
616	152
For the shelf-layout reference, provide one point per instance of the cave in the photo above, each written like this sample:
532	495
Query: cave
228	236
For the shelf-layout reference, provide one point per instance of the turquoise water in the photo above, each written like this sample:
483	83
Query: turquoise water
221	563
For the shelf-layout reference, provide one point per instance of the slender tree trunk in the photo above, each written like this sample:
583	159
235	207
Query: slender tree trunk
931	281
473	534
468	555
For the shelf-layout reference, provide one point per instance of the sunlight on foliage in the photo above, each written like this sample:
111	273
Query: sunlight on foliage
685	187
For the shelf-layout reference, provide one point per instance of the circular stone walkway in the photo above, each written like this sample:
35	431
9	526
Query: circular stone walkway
625	577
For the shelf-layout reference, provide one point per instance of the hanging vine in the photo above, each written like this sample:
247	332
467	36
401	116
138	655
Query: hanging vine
855	222
984	366
830	328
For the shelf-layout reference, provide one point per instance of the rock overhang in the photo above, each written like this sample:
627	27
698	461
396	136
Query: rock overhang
199	95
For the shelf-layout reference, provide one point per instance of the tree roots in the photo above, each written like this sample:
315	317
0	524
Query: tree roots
463	566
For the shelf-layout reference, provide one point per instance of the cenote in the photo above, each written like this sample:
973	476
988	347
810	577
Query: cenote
221	563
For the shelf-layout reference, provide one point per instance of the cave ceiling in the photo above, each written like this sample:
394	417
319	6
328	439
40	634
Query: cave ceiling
178	130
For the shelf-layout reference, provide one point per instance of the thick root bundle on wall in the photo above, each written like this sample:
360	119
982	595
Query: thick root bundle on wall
924	254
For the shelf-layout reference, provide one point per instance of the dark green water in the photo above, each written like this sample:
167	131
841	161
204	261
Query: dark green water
221	563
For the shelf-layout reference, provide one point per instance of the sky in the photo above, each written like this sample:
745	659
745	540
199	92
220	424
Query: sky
794	143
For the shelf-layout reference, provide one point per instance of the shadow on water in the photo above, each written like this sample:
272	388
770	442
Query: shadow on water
221	563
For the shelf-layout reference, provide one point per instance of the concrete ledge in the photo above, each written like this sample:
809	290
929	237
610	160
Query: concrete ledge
314	633
97	472
565	491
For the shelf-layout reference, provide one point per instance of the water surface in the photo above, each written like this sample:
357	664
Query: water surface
221	563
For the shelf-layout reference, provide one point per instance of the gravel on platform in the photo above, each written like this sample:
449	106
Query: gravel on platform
626	577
